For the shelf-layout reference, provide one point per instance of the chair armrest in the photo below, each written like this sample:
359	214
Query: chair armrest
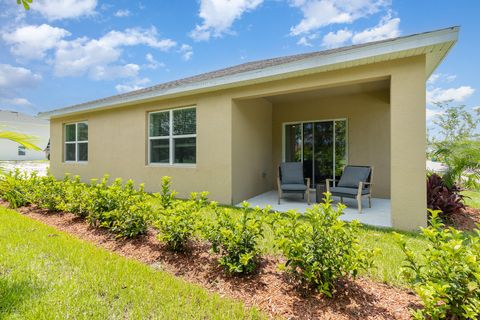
307	182
327	183
360	188
331	180
369	186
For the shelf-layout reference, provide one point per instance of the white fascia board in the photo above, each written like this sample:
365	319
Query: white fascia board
308	65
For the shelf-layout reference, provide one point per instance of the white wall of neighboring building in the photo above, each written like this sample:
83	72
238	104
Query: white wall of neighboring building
26	124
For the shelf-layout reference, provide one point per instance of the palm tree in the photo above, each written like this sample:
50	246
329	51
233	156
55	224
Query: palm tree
24	139
25	3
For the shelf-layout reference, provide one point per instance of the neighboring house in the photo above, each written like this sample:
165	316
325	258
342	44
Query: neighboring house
226	131
26	124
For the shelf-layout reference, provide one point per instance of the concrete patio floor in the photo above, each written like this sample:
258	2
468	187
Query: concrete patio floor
378	215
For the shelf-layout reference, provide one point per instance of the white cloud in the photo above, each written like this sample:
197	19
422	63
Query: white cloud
152	63
96	57
64	9
387	28
450	77
136	36
433	78
219	15
136	84
303	41
459	94
113	72
31	42
13	14
432	113
186	51
441	77
13	78
321	13
336	39
122	88
306	40
122	13
19	102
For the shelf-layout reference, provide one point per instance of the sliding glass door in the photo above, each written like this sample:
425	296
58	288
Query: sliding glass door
320	145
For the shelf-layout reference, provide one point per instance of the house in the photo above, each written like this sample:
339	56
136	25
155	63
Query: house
26	124
226	131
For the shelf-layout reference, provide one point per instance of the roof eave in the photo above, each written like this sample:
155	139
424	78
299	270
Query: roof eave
306	66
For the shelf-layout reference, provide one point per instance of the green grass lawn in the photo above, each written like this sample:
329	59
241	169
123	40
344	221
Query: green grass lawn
46	274
472	198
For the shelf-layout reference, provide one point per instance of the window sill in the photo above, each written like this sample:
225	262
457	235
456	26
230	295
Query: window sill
167	165
75	162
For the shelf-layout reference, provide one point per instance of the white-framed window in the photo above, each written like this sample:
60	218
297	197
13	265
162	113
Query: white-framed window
76	142
22	150
172	136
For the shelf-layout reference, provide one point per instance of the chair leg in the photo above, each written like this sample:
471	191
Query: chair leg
308	196
369	201
341	199
359	201
279	195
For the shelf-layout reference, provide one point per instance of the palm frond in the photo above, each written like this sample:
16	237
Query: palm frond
24	139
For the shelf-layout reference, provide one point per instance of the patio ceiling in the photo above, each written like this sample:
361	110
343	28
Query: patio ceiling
356	88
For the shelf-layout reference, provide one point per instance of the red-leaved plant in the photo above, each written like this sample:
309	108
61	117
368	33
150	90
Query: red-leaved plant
440	197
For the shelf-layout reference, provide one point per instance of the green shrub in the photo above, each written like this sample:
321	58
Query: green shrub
121	209
105	198
166	196
236	240
446	276
77	197
319	247
178	220
46	192
128	222
13	188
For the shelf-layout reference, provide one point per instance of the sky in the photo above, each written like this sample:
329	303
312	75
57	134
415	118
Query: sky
64	52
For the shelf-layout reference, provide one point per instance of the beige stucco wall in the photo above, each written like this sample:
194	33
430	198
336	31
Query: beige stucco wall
408	145
252	171
368	120
117	138
118	146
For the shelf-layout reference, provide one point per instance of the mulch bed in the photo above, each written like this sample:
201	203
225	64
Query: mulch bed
466	219
269	290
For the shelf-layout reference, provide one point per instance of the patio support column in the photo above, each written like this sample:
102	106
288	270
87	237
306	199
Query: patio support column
408	144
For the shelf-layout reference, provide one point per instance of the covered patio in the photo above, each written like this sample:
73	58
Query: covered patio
325	129
378	215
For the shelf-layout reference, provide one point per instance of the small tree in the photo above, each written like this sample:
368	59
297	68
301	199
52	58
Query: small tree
455	123
457	144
